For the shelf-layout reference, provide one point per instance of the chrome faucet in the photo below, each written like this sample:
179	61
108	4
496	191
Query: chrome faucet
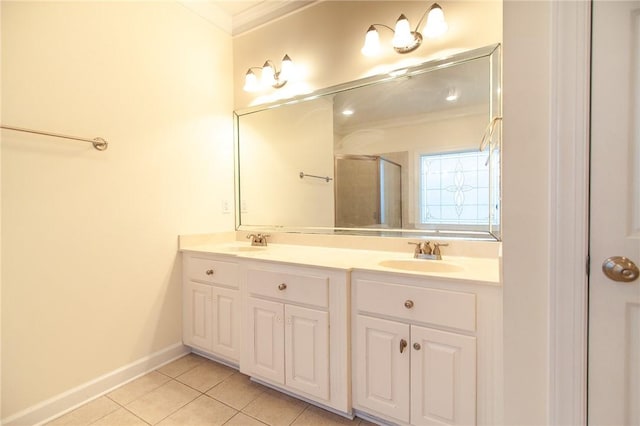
258	240
425	251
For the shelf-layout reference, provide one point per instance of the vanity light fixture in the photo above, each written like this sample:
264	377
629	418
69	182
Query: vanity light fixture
270	75
405	40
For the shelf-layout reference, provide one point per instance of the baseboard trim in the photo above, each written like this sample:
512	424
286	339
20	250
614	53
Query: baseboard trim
73	398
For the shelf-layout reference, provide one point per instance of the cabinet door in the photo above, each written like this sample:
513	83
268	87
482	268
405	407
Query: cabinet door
443	378
266	343
382	366
307	350
197	315
226	323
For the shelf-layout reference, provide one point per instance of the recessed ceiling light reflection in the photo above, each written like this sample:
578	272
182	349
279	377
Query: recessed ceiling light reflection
452	95
347	112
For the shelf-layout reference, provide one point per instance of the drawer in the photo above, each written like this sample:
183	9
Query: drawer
289	287
417	304
212	271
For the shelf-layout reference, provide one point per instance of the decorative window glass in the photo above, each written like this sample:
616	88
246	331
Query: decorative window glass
456	188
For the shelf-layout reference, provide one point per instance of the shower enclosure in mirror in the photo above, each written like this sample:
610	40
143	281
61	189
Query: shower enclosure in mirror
368	192
412	153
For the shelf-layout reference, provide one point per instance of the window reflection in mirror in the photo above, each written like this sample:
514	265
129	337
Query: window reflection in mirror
380	156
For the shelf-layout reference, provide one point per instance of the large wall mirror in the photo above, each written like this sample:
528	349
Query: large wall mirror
413	153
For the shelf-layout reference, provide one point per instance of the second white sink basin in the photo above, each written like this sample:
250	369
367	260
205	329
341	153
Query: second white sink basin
420	265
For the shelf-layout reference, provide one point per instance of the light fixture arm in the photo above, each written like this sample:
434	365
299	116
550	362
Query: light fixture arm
383	25
278	83
424	15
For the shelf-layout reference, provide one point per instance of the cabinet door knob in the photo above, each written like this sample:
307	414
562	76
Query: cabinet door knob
403	344
209	272
282	286
417	346
408	304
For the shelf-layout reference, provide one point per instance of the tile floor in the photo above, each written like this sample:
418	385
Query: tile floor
194	391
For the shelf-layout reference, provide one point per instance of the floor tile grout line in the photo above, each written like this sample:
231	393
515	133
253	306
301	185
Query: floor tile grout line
174	411
137	416
174	379
299	414
245	414
255	418
139	396
171	379
224	403
128	410
99	418
198	363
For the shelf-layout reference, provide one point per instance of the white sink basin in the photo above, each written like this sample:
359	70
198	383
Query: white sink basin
420	265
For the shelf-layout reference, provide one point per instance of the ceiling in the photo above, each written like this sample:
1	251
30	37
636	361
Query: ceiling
415	97
248	14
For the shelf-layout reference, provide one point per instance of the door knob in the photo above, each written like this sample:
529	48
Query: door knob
619	268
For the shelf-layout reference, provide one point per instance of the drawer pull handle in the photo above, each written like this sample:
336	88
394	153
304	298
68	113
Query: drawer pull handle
408	304
209	272
403	344
282	286
417	346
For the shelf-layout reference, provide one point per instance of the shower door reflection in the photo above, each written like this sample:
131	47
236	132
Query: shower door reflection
368	192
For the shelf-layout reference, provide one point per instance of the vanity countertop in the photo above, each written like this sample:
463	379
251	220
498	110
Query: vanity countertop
477	269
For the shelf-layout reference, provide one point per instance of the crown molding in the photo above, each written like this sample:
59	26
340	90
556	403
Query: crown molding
210	12
265	12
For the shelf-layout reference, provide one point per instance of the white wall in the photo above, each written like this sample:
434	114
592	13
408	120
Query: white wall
526	212
90	271
325	40
300	141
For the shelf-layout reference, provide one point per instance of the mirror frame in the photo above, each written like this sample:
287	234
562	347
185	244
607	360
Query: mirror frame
493	232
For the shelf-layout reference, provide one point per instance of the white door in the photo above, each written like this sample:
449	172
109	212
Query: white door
307	350
443	378
614	306
226	323
196	299
382	357
266	342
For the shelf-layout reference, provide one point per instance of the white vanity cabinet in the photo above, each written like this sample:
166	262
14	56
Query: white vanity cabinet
211	306
296	321
415	350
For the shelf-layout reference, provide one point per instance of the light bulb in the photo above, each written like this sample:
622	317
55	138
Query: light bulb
268	75
436	24
250	82
371	42
402	34
286	68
